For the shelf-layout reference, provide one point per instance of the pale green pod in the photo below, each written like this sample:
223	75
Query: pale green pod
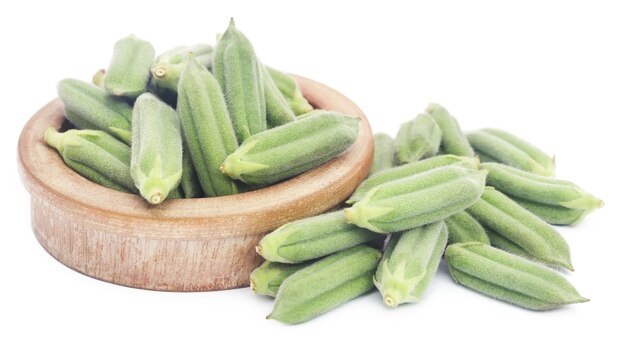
189	182
498	241
207	128
555	201
410	263
496	145
129	71
383	153
312	238
95	155
89	107
537	238
168	66
463	228
410	169
157	149
290	149
238	72
417	200
417	139
98	78
484	157
267	278
453	141
325	285
290	90
278	110
509	278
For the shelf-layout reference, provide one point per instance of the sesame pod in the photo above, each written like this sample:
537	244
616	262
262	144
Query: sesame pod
189	182
325	284
129	71
417	139
494	210
484	157
168	66
290	90
509	278
417	200
410	263
278	110
291	149
157	150
502	147
555	201
206	127
238	72
98	78
89	107
267	278
312	238
410	169
498	241
95	155
463	228
452	139
383	153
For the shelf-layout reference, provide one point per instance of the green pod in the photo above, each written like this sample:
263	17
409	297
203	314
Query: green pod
98	78
168	66
129	71
207	128
452	139
417	200
463	228
325	284
89	107
410	263
509	278
500	146
189	182
498	241
417	139
95	155
383	153
410	169
555	201
278	110
267	278
537	238
290	90
290	149
156	164
312	238
238	72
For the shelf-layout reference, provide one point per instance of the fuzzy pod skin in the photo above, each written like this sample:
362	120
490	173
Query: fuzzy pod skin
95	155
509	278
157	149
410	262
129	71
500	146
98	78
238	72
278	110
89	107
495	211
417	139
463	228
325	285
555	201
417	200
413	168
168	66
383	153
312	238
290	90
453	141
267	278
290	149
189	182
206	127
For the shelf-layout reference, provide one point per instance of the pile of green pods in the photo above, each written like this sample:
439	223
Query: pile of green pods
195	121
429	196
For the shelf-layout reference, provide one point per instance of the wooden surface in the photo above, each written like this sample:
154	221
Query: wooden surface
182	244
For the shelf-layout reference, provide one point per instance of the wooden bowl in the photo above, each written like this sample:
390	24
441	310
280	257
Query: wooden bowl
182	244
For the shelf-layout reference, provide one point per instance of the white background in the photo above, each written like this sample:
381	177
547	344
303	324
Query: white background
551	72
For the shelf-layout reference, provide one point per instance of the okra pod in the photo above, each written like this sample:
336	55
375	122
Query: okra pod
168	66
383	153
417	139
129	71
278	110
463	228
452	139
267	278
291	91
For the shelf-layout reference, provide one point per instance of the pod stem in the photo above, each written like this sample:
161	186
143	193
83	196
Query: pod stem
54	139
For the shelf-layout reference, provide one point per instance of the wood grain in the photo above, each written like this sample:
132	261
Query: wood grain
182	244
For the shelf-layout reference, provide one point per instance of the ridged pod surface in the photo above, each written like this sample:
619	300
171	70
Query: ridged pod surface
325	285
168	66
189	182
463	228
453	141
509	278
290	90
267	278
278	110
383	153
129	70
417	139
410	262
417	200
